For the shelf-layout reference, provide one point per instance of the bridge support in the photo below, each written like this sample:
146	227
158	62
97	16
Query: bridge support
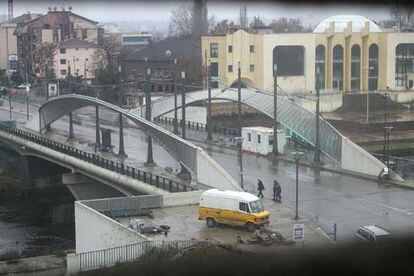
97	133
71	136
121	136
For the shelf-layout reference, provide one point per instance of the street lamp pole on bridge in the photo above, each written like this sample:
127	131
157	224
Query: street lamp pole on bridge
150	157
275	144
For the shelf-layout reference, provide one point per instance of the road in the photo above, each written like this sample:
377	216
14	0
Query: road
328	198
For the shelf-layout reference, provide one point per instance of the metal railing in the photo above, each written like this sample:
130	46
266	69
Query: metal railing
198	126
146	177
124	203
110	257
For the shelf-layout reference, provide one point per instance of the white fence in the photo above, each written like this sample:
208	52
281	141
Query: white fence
128	253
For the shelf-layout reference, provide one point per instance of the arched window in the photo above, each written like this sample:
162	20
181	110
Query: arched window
320	66
404	64
338	67
355	67
373	68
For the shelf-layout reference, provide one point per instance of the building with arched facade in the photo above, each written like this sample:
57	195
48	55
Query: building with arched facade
350	52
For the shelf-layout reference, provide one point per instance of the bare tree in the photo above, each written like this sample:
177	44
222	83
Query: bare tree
223	27
243	20
43	59
287	25
403	16
257	22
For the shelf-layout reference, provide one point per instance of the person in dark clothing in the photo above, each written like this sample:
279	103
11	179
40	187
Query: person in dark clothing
260	188
277	191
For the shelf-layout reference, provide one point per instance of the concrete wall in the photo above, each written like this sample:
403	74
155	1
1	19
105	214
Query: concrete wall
95	231
183	198
356	159
209	172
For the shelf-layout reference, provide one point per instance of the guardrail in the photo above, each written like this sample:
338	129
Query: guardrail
124	203
135	173
395	162
198	126
128	253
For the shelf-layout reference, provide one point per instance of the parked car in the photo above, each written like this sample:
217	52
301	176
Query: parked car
233	208
372	234
23	85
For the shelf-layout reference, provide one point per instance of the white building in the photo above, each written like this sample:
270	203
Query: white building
260	140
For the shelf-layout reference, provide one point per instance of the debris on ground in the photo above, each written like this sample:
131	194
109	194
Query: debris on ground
266	237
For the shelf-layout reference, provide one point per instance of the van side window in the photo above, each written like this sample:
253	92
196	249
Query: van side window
371	238
244	207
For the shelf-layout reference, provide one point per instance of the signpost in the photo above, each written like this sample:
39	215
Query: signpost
299	233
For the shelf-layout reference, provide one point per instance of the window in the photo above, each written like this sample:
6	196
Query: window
63	61
404	63
373	67
77	49
214	73
230	48
338	70
355	67
84	33
249	137
251	67
259	138
251	48
62	50
213	50
256	206
244	207
229	68
290	60
63	72
320	66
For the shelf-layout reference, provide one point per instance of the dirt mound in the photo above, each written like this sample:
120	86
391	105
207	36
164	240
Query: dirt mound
358	103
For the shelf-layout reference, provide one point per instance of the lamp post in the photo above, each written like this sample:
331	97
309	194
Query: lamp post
368	69
239	99
317	157
183	88
298	155
175	98
387	131
119	86
209	137
275	144
27	101
239	141
150	157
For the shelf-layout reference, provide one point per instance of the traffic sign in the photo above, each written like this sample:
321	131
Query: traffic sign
298	232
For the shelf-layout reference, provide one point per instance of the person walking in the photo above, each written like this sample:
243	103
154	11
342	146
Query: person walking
277	191
260	188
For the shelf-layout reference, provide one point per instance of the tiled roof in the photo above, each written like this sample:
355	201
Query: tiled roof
159	51
77	43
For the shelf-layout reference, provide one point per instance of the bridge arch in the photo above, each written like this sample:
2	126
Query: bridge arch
292	116
190	156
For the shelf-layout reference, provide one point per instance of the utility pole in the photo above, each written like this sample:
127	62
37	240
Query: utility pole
46	82
239	129
297	155
121	136
183	90
119	86
27	101
317	157
275	144
209	137
175	98
71	136
150	157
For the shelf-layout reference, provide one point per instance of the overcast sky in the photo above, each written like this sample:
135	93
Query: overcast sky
121	10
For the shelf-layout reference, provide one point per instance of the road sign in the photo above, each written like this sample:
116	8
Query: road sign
298	232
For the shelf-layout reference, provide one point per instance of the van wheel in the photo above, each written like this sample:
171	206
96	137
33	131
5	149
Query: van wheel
210	222
251	227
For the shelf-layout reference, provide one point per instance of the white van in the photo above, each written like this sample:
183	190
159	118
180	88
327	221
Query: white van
231	207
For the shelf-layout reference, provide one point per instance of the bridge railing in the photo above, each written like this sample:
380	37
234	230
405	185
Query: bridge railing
198	126
146	177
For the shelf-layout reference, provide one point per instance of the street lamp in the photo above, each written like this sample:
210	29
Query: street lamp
275	146
368	69
119	85
298	155
387	131
317	157
183	104
209	137
239	142
175	98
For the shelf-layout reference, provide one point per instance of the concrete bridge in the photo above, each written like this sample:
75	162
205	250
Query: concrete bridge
301	121
126	179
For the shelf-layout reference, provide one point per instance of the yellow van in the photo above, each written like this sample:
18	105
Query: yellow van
234	208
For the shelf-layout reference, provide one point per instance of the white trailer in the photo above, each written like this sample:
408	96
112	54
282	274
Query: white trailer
260	140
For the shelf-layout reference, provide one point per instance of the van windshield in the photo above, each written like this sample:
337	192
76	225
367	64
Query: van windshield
256	206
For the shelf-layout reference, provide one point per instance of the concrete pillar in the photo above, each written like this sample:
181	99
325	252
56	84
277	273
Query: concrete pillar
97	127
71	136
121	136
